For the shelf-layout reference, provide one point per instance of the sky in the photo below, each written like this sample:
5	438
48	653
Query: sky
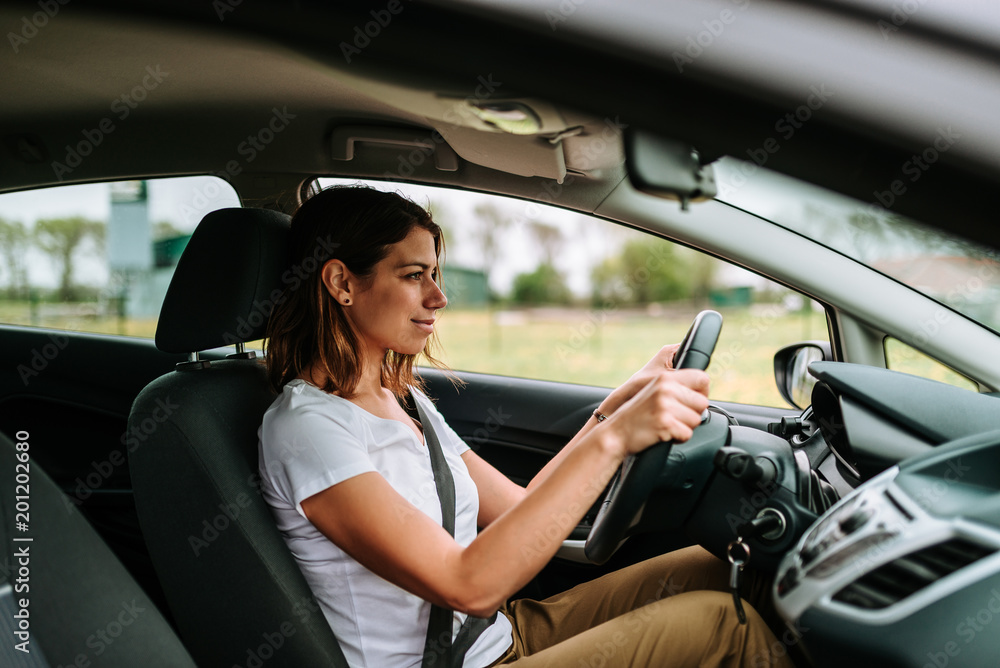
183	201
584	241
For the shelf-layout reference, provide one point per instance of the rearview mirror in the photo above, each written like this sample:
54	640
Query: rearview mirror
791	370
667	168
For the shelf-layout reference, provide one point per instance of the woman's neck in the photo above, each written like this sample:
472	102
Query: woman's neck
369	385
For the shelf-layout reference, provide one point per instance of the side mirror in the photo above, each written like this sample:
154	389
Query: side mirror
791	370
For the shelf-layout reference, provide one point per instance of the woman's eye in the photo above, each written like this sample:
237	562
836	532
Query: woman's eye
416	275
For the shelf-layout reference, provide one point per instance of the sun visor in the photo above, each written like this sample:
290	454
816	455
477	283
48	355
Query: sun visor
521	136
514	154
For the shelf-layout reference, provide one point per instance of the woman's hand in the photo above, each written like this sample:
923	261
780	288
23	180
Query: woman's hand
667	408
656	404
662	361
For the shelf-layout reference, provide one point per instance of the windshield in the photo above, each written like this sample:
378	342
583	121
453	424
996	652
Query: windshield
956	272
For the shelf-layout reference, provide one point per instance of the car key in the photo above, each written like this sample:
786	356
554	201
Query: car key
738	553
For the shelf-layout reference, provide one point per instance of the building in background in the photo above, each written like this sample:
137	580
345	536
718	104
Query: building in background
140	268
465	288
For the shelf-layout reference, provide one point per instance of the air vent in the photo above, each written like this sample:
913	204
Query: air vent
907	575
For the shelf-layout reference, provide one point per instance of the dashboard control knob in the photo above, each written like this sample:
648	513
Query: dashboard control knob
787	427
740	465
777	523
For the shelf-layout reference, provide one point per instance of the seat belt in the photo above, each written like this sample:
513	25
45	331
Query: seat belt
439	650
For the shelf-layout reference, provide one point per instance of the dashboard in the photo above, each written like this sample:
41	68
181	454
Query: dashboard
877	511
872	418
906	567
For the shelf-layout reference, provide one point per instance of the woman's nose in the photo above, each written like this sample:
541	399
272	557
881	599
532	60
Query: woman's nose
436	298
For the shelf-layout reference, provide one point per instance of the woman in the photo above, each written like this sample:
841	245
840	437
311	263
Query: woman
348	474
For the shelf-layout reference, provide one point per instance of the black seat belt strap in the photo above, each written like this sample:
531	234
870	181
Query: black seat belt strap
439	650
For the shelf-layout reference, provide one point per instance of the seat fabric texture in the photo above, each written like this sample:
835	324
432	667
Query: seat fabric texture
231	583
84	606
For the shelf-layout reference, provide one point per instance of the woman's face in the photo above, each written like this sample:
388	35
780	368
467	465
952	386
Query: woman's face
397	311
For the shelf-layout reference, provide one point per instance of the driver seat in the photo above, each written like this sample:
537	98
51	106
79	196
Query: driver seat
234	589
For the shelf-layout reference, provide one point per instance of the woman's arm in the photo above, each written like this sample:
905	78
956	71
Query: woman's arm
386	534
498	493
370	521
662	361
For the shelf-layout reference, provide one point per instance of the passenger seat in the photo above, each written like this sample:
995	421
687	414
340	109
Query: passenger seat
84	608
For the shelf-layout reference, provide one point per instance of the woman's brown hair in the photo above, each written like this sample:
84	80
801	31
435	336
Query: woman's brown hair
356	225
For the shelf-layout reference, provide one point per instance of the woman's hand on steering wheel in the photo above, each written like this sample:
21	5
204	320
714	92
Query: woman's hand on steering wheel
661	361
666	408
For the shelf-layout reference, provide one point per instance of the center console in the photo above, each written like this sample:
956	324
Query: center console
906	568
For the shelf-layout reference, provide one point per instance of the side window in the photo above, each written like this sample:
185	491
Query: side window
901	357
539	292
99	257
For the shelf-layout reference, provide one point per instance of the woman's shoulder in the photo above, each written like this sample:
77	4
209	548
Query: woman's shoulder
428	405
421	396
425	402
301	404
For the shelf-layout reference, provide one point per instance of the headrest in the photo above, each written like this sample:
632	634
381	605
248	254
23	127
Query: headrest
226	281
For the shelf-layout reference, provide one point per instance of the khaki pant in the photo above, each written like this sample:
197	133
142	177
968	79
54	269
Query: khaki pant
672	610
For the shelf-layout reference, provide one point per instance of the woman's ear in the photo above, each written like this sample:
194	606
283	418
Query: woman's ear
338	280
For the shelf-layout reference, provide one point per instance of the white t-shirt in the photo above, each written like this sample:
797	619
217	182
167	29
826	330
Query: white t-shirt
311	440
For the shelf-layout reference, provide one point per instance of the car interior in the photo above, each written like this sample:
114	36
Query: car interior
872	500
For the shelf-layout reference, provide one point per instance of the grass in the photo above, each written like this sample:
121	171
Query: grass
590	347
601	348
82	317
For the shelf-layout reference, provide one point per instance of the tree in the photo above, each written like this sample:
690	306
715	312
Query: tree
549	238
492	224
544	285
60	238
703	268
650	270
14	242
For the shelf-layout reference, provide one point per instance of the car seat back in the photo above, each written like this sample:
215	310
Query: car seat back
83	607
235	590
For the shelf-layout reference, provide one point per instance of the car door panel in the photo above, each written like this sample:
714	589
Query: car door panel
514	423
72	393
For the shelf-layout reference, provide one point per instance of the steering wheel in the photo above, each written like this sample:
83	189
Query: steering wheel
638	473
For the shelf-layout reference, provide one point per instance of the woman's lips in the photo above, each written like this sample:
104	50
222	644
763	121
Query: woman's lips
426	325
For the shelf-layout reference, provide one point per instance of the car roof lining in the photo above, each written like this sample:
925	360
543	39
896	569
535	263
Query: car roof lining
82	65
711	108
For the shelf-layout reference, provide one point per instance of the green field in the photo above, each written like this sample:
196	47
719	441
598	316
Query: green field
81	317
595	348
598	348
591	347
